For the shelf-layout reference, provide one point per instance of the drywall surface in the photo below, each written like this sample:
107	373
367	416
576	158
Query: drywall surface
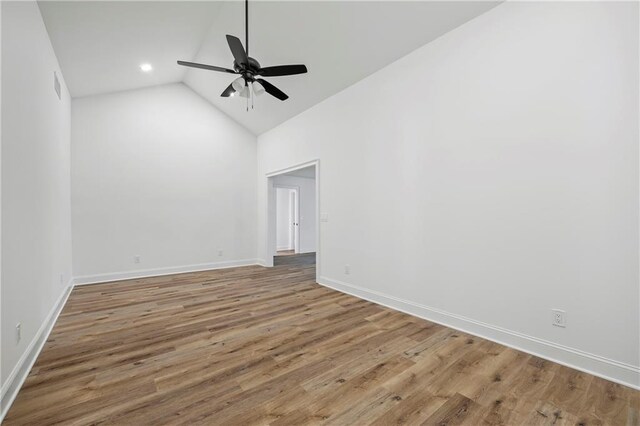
307	204
161	174
284	239
36	228
499	185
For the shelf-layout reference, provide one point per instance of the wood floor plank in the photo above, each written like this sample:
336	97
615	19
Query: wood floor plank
456	411
256	345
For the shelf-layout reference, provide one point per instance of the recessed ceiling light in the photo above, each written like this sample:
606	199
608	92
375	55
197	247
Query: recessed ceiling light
146	67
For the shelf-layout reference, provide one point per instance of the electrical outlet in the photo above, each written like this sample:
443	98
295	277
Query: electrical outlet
18	332
220	253
136	259
559	318
347	269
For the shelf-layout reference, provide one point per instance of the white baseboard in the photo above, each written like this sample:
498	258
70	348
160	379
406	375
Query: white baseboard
144	273
16	378
606	368
609	369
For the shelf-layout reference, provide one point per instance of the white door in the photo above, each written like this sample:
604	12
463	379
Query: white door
295	221
287	216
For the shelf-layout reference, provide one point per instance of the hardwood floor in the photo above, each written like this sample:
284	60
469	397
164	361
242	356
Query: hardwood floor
260	345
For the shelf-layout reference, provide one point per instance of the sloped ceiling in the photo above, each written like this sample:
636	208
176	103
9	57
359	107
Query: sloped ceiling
100	45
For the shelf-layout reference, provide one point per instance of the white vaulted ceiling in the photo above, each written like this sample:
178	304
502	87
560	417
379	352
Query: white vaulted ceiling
100	45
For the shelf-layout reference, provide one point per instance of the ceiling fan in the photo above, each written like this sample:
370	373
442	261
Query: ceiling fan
249	69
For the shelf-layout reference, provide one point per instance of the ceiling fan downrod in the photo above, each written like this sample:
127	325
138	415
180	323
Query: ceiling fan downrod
246	24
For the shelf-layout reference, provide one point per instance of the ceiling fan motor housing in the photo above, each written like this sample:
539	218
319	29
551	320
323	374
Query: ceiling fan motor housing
252	68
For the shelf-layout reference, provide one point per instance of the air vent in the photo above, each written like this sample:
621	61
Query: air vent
56	85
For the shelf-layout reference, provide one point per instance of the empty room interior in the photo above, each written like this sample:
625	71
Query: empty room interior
320	212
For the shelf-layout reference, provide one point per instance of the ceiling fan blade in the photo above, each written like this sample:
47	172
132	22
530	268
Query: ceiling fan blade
280	70
237	50
205	67
228	91
273	90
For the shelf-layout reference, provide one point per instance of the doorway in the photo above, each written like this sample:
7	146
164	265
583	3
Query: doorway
287	220
292	213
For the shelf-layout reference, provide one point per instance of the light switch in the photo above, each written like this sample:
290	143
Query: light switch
324	217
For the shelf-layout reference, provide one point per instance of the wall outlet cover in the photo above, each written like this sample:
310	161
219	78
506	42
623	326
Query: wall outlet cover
558	318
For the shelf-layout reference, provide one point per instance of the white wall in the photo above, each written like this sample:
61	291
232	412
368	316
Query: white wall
161	174
489	177
284	239
36	230
1	375
307	204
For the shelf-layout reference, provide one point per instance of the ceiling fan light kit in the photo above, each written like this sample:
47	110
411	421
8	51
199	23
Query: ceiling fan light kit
238	84
251	73
258	89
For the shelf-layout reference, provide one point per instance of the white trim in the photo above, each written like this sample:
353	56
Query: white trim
302	177
293	168
18	375
318	222
306	252
609	369
145	273
318	213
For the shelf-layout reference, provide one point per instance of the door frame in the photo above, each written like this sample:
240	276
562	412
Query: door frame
270	216
296	215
